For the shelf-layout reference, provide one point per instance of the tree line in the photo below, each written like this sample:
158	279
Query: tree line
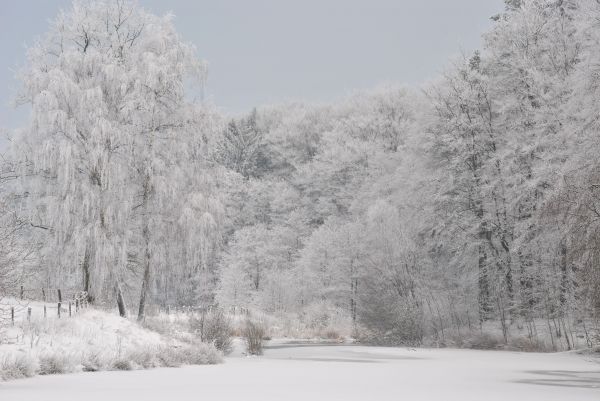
413	212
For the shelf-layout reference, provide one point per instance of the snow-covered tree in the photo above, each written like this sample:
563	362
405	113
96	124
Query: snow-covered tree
106	85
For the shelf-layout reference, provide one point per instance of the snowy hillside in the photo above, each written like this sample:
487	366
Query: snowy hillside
92	340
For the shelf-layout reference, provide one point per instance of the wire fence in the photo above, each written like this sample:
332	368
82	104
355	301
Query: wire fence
48	294
24	303
43	302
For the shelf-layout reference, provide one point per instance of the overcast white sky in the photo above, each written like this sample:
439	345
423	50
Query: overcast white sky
267	51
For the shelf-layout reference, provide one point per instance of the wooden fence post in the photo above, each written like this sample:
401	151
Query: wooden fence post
12	315
44	311
59	296
22	293
44	294
29	314
69	308
59	310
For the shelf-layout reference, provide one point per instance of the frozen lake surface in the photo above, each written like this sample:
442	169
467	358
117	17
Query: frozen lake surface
346	372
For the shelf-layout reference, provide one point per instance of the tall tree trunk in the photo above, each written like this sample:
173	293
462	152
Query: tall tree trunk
120	301
484	300
86	272
353	291
564	276
146	277
146	237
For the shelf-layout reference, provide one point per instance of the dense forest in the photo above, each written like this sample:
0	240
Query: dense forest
408	214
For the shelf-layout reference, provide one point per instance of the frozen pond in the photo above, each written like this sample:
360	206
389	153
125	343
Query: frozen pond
308	372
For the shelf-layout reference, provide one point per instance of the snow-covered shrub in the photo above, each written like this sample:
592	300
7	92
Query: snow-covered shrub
253	333
200	354
317	316
325	320
331	334
213	327
388	321
122	364
485	341
189	354
318	319
528	344
17	365
169	357
274	326
197	353
144	357
96	359
57	361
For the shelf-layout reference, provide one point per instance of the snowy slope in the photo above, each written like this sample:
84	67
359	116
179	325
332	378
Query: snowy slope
92	340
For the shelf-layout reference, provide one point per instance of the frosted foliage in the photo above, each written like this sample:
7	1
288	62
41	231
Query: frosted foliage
105	153
460	213
424	215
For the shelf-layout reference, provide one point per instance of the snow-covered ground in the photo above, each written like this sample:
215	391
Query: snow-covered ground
344	372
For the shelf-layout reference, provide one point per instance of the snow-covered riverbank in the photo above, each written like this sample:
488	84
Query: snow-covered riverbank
344	372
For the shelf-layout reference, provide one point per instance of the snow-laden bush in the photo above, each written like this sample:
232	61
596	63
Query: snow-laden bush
213	327
389	321
57	361
325	320
189	354
253	333
96	359
529	344
122	364
320	319
200	354
143	357
170	357
17	365
173	355
489	339
485	341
